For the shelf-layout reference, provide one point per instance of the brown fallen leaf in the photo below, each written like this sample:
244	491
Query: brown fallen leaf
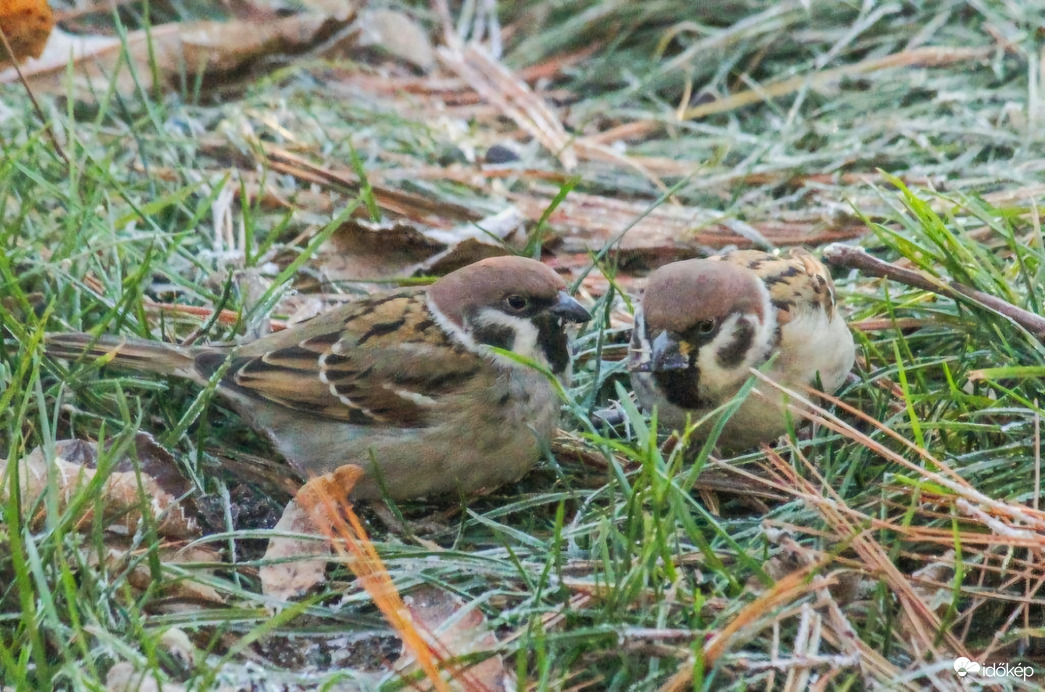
366	250
74	464
146	478
397	34
492	236
25	24
294	565
182	594
363	250
645	238
463	253
214	51
457	631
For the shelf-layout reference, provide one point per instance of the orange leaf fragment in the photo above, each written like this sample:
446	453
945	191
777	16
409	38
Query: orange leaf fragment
324	498
26	24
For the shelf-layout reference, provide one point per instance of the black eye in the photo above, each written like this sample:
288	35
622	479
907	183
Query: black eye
704	327
517	303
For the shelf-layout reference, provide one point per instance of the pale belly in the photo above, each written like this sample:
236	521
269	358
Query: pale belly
473	448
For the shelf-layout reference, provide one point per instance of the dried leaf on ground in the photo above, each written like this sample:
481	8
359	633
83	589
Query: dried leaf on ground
215	51
292	567
124	676
463	253
645	237
179	593
361	250
295	565
395	33
492	236
149	478
144	478
457	631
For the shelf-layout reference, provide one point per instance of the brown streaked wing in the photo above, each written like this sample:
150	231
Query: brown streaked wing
380	361
800	279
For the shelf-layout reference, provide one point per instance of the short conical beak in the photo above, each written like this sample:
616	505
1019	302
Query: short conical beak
666	355
569	309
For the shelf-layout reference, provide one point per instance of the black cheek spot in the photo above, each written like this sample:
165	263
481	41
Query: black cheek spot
495	335
732	354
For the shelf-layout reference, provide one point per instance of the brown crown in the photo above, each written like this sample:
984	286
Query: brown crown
680	294
489	281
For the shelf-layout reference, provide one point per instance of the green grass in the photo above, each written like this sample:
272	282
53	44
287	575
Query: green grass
603	569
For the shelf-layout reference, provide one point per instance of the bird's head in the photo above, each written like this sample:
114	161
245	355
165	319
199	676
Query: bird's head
513	303
703	324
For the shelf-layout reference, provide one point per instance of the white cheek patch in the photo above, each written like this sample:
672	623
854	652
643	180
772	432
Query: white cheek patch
716	377
712	375
525	331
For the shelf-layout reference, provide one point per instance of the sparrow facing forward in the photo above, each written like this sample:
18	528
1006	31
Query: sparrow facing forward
704	323
405	381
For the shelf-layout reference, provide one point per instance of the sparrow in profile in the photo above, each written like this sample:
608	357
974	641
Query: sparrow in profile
406	384
705	323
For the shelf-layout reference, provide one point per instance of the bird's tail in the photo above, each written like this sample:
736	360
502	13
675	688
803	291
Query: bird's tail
135	354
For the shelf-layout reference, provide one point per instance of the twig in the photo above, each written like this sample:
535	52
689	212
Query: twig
858	258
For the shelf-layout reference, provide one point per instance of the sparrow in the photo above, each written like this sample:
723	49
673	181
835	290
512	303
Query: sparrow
407	384
703	324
